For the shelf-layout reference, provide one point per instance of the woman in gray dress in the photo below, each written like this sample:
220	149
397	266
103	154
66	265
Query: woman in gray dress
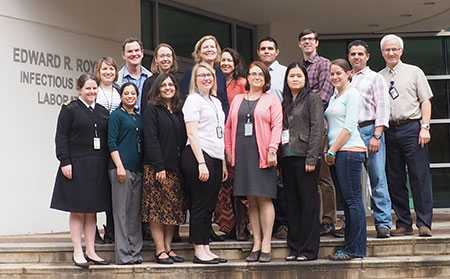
253	132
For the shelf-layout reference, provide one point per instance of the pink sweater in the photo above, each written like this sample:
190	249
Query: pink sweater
268	125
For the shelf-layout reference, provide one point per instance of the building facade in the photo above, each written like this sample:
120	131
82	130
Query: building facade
47	44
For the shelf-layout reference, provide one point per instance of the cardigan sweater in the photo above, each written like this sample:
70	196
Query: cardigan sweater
268	119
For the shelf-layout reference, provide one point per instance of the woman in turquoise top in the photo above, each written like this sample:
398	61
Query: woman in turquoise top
345	156
125	145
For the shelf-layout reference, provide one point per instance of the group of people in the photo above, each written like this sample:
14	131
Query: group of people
265	146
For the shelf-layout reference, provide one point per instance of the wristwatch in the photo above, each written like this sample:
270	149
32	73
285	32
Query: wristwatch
425	126
377	137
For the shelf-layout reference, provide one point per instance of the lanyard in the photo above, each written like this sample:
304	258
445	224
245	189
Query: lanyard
211	103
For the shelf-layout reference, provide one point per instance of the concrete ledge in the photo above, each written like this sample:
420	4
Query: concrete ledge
368	268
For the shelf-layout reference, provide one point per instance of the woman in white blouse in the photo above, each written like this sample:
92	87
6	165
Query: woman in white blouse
203	159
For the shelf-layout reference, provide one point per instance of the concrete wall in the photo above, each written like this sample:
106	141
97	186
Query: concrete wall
72	34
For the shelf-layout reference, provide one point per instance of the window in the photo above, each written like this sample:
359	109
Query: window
426	53
147	23
244	43
183	29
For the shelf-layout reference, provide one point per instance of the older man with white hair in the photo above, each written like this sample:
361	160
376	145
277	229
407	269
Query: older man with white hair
407	139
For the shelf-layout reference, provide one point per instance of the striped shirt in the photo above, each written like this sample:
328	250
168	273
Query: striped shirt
374	97
319	77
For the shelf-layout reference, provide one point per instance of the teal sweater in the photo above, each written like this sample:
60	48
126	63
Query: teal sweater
125	134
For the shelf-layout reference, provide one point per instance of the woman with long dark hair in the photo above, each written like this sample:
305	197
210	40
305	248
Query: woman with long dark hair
163	203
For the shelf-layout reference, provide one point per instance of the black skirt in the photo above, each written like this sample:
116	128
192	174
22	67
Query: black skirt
89	189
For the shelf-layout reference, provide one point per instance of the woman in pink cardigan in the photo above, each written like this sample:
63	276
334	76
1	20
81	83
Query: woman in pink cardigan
252	136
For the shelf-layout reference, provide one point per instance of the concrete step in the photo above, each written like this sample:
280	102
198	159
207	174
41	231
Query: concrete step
61	252
415	267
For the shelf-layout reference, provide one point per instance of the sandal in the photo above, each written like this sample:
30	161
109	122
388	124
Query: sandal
341	256
175	258
167	260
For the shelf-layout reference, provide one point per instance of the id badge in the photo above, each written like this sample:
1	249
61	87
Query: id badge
97	143
219	132
248	129
394	93
285	136
139	147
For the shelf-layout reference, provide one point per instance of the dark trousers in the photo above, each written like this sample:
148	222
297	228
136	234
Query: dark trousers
403	150
280	206
202	195
303	207
346	174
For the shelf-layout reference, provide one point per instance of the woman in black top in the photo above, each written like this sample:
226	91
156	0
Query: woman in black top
164	61
164	139
82	179
303	127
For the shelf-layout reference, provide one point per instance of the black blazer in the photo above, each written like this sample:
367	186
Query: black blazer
164	138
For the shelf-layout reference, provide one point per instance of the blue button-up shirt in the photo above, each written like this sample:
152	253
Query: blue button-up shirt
125	76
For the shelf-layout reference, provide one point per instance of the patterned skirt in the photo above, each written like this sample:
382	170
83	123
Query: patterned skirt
163	203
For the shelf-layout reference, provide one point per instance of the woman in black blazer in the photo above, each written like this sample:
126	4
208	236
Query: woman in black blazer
163	204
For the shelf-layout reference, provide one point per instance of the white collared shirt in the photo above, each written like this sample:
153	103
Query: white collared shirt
277	72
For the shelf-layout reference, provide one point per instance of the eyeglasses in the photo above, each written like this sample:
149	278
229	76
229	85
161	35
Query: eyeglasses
256	74
208	75
393	49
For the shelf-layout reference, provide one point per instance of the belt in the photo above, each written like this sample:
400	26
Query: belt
398	123
366	123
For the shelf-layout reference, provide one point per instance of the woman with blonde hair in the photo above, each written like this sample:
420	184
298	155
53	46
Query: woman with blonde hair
207	50
203	159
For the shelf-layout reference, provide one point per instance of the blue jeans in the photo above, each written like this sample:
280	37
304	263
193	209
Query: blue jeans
403	150
375	165
346	174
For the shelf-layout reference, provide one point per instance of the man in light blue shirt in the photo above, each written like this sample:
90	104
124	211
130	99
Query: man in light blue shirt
133	71
268	52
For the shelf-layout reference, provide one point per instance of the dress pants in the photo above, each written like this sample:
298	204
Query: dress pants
126	202
303	207
203	195
327	192
403	150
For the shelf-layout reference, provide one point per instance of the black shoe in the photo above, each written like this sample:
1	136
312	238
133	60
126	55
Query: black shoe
221	260
383	232
253	256
98	237
198	261
326	228
175	258
213	236
82	265
339	233
292	256
108	237
281	233
103	262
167	260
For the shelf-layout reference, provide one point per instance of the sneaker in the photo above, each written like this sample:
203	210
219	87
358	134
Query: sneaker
402	231
424	231
326	229
281	232
383	232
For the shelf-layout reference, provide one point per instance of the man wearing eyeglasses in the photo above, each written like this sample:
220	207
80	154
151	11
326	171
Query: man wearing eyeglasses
318	69
373	119
407	139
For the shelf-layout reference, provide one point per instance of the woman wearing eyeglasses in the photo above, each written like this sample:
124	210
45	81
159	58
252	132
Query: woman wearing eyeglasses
203	159
253	133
